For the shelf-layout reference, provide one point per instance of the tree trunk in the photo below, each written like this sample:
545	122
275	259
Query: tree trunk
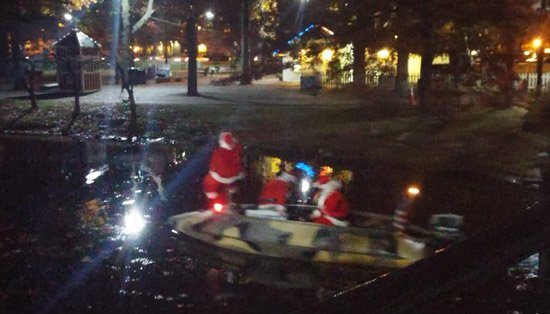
426	66
192	89
125	61
4	51
359	77
165	51
75	71
29	86
114	44
16	58
246	77
401	79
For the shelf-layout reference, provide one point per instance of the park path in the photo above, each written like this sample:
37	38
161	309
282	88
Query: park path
266	92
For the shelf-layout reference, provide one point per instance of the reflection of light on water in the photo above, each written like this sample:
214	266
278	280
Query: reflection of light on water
143	261
526	269
134	222
96	173
129	202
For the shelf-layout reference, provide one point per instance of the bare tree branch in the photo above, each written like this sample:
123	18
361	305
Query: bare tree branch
145	17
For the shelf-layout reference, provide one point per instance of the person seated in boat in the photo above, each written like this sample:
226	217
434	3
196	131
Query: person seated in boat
332	206
275	194
224	171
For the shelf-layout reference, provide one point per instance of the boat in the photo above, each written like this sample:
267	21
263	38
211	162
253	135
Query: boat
237	238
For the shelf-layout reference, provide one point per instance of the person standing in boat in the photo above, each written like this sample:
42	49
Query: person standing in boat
332	206
224	171
276	192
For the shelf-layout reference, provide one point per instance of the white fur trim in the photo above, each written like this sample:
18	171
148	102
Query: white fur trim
223	180
330	185
276	207
223	143
336	222
286	177
315	214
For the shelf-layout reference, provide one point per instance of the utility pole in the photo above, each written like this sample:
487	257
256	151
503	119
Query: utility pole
246	77
192	49
540	50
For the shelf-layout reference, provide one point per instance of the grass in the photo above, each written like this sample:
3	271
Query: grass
479	139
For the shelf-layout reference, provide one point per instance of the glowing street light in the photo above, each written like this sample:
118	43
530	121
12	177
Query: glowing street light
327	55
383	54
67	17
209	15
537	42
202	48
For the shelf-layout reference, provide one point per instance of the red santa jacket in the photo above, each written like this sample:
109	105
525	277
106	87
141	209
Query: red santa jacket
276	190
225	163
332	207
334	204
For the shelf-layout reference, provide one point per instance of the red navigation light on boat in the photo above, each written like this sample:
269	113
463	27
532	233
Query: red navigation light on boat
218	207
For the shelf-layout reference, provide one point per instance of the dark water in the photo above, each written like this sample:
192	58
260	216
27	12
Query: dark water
63	247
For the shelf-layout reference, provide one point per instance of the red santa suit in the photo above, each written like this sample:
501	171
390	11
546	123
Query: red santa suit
225	168
332	207
275	193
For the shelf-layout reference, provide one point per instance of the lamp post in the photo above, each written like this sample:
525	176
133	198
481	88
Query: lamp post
537	44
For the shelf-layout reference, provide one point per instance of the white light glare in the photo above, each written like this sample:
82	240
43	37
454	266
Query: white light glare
133	222
96	173
67	16
209	15
305	185
129	202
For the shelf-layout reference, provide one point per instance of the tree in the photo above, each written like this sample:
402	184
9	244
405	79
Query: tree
355	21
124	60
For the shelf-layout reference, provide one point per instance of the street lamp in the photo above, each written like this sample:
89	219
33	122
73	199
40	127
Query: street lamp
383	53
68	17
209	15
537	43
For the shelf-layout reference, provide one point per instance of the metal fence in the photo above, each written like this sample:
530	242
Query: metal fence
381	80
531	80
384	80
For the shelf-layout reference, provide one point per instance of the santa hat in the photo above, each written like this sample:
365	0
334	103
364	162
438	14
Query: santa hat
227	140
326	183
321	181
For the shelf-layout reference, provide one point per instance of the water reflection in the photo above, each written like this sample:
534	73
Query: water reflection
65	250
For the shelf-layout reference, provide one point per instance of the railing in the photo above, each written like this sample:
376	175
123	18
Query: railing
531	80
466	264
380	80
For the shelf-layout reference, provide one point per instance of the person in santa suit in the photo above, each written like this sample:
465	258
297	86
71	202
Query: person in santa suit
275	193
225	170
332	206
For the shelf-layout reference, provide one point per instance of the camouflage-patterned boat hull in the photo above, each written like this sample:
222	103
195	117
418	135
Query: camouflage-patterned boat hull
300	241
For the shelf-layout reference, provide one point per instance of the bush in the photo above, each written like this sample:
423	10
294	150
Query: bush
536	120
